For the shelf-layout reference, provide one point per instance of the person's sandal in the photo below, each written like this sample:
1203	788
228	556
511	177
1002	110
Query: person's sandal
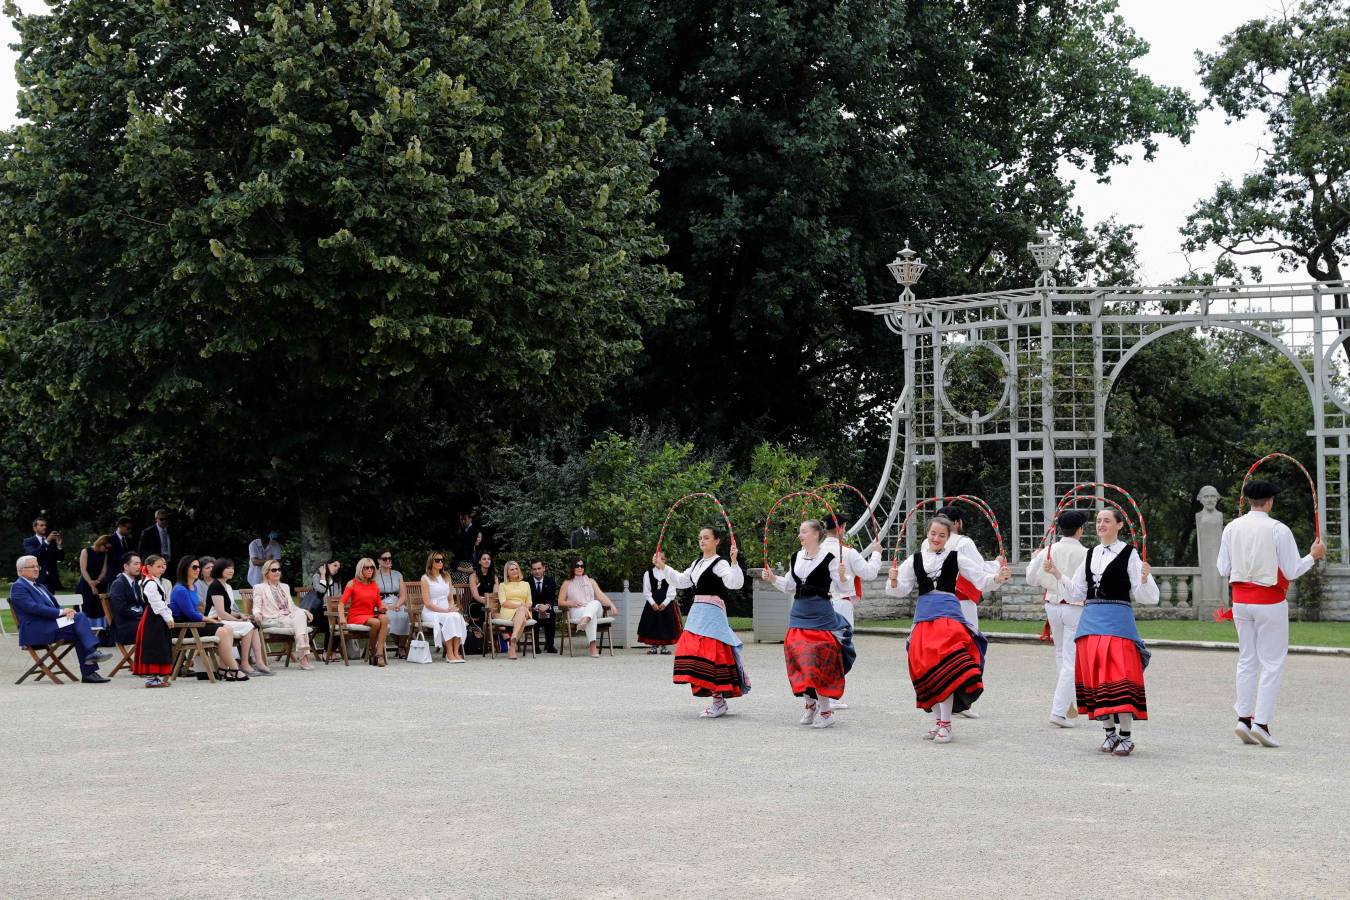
235	675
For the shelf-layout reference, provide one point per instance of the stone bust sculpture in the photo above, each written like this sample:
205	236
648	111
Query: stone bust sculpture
1213	591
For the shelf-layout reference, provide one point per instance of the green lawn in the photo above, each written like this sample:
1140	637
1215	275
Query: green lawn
1308	634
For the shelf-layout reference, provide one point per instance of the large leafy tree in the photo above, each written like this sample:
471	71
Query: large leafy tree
265	247
807	139
1290	70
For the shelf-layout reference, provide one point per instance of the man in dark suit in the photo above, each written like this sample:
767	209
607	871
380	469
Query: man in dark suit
42	621
544	599
126	601
156	539
48	550
121	542
467	540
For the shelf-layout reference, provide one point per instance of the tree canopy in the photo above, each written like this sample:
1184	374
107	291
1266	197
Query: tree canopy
808	139
265	248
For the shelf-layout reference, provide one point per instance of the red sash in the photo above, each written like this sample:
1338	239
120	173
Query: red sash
965	590
1265	594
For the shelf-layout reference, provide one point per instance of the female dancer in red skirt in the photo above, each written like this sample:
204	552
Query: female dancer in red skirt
154	641
708	655
1110	657
946	654
818	647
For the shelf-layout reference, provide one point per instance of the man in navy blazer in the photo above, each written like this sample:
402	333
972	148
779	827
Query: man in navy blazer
38	612
48	550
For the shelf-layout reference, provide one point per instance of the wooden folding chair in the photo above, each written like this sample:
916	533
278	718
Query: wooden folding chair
47	658
500	626
341	632
124	649
189	645
570	630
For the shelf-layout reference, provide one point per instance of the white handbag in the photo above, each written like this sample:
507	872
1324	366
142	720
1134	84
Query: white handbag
419	651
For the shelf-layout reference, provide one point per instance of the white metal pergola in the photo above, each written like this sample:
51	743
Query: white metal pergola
1061	350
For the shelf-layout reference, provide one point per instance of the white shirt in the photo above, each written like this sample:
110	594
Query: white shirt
966	548
977	574
1068	554
1242	550
732	576
1074	587
647	587
258	550
855	566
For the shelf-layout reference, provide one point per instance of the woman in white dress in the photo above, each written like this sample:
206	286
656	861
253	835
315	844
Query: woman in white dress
440	608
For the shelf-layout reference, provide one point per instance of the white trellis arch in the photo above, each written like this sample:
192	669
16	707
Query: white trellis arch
1062	349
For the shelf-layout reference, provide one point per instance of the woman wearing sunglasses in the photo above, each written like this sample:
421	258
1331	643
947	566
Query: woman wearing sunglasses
362	602
583	600
273	609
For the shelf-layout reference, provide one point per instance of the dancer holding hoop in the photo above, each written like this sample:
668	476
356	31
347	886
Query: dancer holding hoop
1068	554
1109	655
946	655
966	591
818	647
708	654
1258	556
846	594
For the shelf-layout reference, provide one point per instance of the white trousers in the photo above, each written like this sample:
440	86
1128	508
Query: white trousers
971	610
1063	619
844	608
592	609
1263	643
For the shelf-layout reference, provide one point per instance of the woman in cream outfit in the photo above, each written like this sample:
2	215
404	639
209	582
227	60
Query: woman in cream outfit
440	609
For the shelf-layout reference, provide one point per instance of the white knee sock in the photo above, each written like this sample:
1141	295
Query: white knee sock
943	710
823	704
1126	720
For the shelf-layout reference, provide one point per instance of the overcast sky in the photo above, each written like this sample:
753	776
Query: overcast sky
1155	195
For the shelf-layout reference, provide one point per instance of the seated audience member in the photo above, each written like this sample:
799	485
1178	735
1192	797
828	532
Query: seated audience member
42	621
220	606
394	601
583	599
272	608
513	597
440	609
361	600
183	604
126	600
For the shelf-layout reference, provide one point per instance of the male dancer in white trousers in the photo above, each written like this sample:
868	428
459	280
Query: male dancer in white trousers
857	565
1258	556
1067	554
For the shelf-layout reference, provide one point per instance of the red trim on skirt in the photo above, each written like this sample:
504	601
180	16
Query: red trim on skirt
1109	677
154	646
660	620
707	665
944	661
815	661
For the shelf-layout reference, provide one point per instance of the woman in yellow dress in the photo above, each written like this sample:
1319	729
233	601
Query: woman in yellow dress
514	597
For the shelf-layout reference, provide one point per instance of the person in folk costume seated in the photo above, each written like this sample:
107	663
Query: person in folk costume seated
818	646
1259	557
660	625
1109	655
1061	615
966	592
846	593
946	654
708	655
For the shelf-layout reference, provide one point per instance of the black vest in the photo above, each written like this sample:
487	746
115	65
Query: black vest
709	583
946	580
817	584
660	587
1114	582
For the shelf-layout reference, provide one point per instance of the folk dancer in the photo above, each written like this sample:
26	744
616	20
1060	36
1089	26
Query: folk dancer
1062	615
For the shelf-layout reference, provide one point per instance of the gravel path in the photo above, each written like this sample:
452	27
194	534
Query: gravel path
565	777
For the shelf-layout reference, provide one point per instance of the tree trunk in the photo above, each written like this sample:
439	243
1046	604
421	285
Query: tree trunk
316	544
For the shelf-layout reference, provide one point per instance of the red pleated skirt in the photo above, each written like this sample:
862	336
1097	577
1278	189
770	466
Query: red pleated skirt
815	661
708	666
1109	677
944	661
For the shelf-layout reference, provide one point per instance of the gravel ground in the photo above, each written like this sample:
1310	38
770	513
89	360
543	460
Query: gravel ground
565	777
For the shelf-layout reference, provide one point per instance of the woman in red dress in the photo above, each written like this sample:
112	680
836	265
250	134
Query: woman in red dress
361	599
